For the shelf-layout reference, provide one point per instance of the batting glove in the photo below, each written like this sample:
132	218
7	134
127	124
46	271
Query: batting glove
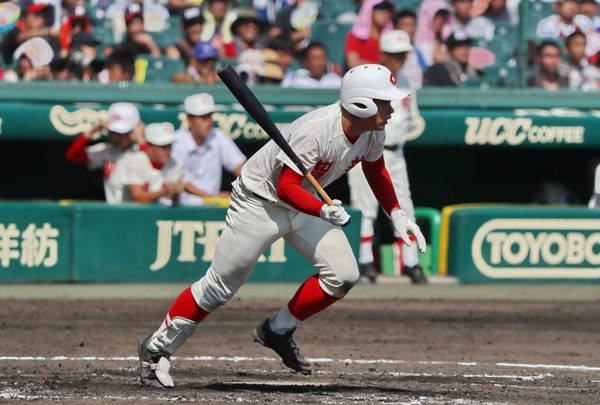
335	214
404	225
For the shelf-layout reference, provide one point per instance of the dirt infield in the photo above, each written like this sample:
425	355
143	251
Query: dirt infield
415	350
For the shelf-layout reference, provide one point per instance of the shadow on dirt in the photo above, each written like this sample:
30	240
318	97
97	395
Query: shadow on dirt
300	389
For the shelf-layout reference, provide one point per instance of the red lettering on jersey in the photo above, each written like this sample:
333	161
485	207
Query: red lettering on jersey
356	161
108	168
321	168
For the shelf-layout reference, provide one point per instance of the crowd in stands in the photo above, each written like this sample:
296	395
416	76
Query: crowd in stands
287	42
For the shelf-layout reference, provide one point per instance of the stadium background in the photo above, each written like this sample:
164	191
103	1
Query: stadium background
448	161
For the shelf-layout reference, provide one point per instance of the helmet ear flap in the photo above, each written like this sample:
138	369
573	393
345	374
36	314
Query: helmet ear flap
362	107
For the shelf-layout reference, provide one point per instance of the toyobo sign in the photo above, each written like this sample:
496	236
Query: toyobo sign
538	248
520	244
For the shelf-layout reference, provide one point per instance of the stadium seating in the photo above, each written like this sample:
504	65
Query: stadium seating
333	36
329	9
499	75
158	69
504	43
539	10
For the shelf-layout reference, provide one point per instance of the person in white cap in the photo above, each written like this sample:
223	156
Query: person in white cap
205	151
394	48
125	134
152	175
271	200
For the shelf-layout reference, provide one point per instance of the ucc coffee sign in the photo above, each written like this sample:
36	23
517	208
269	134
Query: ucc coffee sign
506	244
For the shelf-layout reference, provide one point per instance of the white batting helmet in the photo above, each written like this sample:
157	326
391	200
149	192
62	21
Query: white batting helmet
362	84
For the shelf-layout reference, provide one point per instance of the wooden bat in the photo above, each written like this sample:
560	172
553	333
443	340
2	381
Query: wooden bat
248	100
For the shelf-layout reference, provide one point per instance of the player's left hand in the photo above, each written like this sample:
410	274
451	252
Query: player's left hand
404	225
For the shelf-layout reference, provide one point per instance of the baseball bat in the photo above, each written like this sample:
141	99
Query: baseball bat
255	109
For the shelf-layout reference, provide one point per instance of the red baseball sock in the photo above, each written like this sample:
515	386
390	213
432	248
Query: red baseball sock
185	307
310	299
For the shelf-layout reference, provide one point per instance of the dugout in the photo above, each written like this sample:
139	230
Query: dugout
469	145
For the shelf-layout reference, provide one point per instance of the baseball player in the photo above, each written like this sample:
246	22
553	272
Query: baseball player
395	46
205	151
271	200
151	175
125	133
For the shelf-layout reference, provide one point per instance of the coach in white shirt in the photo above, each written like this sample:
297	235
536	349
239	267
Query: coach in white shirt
204	151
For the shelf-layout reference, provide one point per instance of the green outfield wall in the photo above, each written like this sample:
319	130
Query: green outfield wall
89	242
520	244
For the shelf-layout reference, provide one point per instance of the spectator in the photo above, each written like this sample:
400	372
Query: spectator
362	42
314	70
203	66
260	66
219	15
75	23
296	23
412	69
179	6
153	175
564	22
125	135
154	11
434	25
547	71
191	24
137	40
246	30
455	69
60	71
498	12
395	46
83	59
31	24
205	151
33	61
472	26
589	8
285	53
118	67
61	10
582	75
268	10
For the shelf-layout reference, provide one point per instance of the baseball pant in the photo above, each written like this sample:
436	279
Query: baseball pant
252	225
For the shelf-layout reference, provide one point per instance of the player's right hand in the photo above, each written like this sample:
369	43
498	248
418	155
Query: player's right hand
335	214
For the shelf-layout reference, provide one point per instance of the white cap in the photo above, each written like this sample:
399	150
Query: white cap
37	49
395	41
160	133
122	118
199	104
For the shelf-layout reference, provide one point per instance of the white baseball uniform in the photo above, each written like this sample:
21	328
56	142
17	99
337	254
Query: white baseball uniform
361	196
257	217
104	156
136	168
203	164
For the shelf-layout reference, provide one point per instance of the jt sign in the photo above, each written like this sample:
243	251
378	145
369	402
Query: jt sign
192	233
538	248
